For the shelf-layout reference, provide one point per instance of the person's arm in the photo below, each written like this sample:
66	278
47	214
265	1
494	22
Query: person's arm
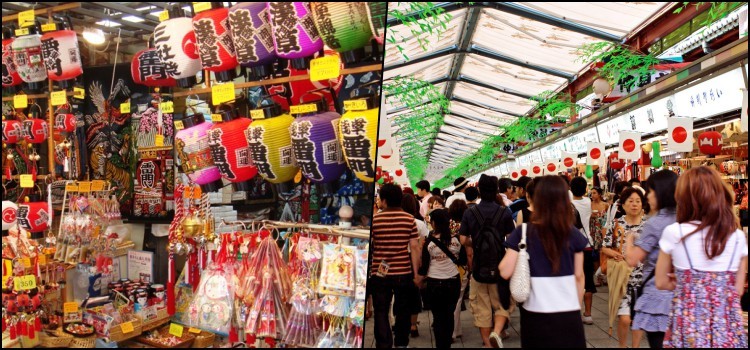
665	279
634	254
608	241
741	276
425	262
508	264
519	219
466	242
415	255
580	280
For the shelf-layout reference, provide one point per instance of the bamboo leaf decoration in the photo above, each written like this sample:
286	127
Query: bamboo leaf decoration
422	20
621	64
717	11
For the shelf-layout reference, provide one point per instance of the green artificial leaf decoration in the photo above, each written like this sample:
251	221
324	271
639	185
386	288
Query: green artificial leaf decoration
557	106
423	20
621	64
716	11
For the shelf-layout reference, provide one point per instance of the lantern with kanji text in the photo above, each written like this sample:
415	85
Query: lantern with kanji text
294	34
271	145
358	132
10	74
229	148
61	54
344	27
148	69
710	143
316	147
12	131
252	37
175	40
215	46
34	215
27	56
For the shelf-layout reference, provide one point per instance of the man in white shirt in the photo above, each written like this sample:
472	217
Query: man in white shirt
583	205
505	187
423	191
458	193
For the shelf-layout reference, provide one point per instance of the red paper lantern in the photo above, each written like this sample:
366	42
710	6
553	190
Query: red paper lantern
34	216
65	122
148	69
12	131
615	162
35	130
229	150
10	75
215	45
62	57
710	143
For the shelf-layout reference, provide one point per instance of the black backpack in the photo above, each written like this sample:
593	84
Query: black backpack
488	247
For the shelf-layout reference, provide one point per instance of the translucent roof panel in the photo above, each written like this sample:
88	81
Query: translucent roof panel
427	70
509	76
434	42
501	101
629	15
488	117
394	107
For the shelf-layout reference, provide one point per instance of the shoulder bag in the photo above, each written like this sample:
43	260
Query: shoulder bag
520	282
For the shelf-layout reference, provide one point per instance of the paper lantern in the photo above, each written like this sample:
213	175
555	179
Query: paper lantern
294	34
252	37
710	143
344	27
656	160
62	57
229	150
378	12
12	131
65	122
316	148
215	46
601	87
34	216
10	74
358	130
148	69
10	210
271	145
589	171
27	56
35	130
615	162
191	146
178	50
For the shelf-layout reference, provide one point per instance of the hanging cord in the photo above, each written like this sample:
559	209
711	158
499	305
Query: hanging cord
114	67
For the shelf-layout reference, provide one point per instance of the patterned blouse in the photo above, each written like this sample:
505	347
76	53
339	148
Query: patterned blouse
636	277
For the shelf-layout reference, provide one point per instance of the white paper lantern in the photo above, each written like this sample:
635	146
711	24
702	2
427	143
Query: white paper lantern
10	210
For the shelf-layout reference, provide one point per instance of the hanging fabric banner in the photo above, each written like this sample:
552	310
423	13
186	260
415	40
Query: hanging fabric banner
630	142
680	134
595	154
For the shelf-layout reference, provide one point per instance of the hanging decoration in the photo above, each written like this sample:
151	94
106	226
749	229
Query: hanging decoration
595	154
27	56
61	54
148	69
629	145
316	146
377	10
194	153
680	134
252	37
34	215
551	166
294	34
271	145
616	163
35	129
10	211
65	122
344	27
176	43
589	171
229	149
709	143
12	131
537	169
358	130
215	46
11	78
569	159
656	160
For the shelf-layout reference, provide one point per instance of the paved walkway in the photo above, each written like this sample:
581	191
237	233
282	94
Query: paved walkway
597	335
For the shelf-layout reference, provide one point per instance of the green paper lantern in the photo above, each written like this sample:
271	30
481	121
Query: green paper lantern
656	160
589	171
381	180
344	27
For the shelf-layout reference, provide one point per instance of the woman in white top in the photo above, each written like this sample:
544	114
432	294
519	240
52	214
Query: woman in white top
440	256
703	259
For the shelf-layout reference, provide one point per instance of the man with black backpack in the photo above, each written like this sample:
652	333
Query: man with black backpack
483	230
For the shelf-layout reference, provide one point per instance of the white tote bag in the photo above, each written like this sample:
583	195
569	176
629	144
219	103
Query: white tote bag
520	282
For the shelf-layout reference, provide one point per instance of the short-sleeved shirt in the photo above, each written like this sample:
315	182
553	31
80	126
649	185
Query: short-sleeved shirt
734	251
517	205
649	240
543	279
392	232
625	230
470	225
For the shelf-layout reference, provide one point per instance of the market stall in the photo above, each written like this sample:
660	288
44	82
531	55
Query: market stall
188	174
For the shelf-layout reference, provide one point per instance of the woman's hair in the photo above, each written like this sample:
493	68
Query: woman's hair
409	205
663	183
598	190
627	193
619	187
457	209
434	199
552	222
441	224
705	198
530	190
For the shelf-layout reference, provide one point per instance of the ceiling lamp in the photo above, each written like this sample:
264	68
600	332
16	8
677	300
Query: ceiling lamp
94	36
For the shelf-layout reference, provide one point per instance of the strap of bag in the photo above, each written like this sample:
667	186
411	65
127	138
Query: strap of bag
442	247
522	244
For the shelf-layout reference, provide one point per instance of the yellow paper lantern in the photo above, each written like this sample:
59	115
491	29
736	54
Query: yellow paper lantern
271	144
358	133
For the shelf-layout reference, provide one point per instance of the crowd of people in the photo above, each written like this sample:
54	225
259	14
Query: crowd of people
670	251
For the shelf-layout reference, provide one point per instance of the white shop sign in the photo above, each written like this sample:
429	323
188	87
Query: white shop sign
503	169
711	97
578	142
535	157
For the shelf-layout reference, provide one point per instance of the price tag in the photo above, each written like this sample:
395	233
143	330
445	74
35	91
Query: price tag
49	27
216	118
257	114
178	125
27	181
24	283
84	186
355	105
97	185
42	259
58	98
221	93
303	109
167	107
79	93
22	31
125	107
201	6
127	327
324	68
70	307
175	330
298	177
194	330
20	101
159	141
26	18
26	262
163	16
71	188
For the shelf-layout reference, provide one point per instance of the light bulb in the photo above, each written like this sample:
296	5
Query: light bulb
94	36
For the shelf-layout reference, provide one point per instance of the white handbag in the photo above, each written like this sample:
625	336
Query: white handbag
520	282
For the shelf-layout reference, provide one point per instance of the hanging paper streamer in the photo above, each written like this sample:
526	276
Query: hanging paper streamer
10	74
148	69
191	147
271	145
316	147
215	46
176	43
344	27
62	57
294	34
27	56
253	37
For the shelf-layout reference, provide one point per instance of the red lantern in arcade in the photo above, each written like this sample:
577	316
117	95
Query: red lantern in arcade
61	54
615	162
215	46
12	131
35	130
34	216
710	143
230	150
148	69
65	122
